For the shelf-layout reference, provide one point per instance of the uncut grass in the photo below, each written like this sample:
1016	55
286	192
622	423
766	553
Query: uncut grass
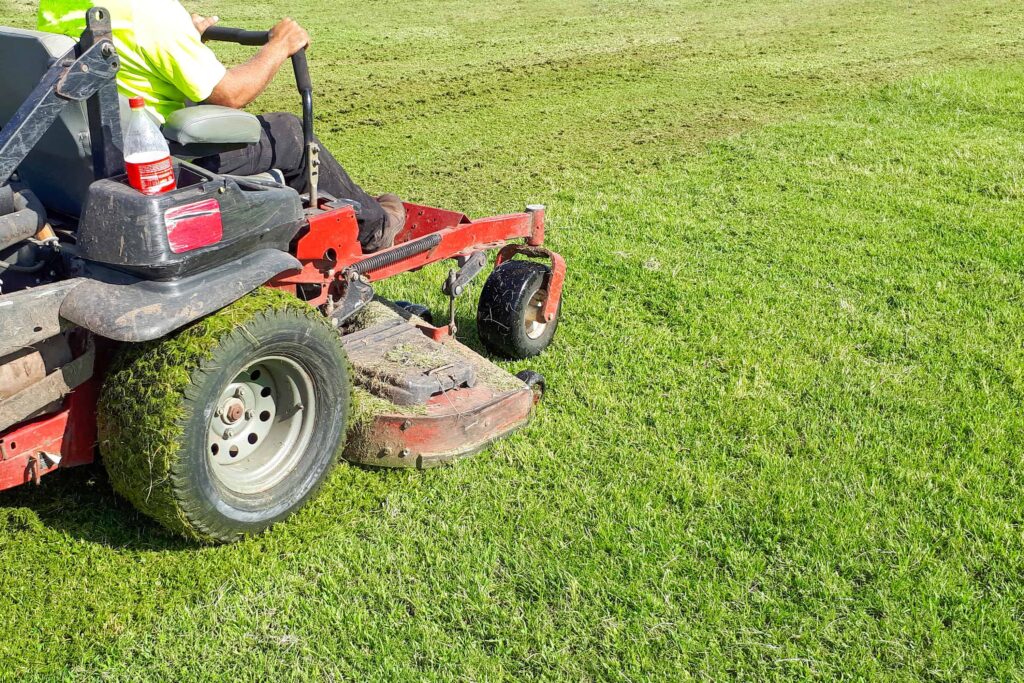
783	438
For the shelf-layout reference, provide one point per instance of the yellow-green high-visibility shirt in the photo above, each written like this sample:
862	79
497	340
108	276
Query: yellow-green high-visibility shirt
163	59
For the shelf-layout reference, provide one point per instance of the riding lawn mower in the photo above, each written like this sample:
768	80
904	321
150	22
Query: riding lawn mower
221	345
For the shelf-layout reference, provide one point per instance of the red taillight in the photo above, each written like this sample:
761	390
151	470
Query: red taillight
193	226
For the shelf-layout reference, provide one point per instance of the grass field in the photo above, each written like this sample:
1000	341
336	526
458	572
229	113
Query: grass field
784	433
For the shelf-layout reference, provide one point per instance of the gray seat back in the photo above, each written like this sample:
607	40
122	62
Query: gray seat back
59	169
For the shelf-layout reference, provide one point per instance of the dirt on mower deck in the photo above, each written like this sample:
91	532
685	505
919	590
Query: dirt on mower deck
367	405
488	373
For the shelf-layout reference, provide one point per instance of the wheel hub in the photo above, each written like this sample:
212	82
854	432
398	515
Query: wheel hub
261	425
535	322
233	411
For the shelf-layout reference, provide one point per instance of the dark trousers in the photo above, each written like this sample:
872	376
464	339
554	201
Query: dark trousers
281	147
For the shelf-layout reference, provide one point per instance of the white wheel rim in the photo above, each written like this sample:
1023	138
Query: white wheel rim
261	425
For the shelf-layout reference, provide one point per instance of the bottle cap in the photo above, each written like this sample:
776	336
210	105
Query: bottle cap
137	103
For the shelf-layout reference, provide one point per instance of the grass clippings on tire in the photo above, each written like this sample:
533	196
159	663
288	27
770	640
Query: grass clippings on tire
141	415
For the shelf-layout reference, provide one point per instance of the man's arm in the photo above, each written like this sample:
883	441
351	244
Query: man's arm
244	83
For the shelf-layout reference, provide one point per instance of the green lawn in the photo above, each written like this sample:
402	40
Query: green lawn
784	433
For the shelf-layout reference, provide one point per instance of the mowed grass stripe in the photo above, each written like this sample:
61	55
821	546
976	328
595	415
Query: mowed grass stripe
480	125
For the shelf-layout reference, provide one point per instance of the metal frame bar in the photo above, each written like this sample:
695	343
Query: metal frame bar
104	108
330	247
63	439
91	76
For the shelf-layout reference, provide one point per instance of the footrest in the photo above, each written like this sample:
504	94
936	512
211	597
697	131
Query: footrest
396	361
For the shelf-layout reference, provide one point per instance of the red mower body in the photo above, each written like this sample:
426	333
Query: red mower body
456	422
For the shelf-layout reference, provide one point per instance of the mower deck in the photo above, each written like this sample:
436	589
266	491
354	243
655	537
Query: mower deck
422	403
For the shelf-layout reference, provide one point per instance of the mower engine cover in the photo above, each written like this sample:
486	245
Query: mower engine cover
208	221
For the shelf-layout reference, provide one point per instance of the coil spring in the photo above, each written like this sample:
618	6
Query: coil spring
391	256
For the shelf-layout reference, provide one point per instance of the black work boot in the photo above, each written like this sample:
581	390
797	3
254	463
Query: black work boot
394	221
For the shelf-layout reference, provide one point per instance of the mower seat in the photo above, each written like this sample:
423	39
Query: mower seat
207	129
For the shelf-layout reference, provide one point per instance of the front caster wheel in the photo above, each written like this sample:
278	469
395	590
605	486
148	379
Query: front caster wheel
509	318
230	425
536	382
419	310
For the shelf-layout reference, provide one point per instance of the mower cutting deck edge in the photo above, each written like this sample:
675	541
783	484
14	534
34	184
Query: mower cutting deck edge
223	342
426	403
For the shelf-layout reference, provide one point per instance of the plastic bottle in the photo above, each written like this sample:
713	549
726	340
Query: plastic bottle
146	155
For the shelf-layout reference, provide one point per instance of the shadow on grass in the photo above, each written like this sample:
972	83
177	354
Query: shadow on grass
79	502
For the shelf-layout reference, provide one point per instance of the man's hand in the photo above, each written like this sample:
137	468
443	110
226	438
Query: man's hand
288	37
243	83
202	23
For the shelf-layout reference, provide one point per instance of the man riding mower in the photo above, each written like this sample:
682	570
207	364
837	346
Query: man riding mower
221	343
164	61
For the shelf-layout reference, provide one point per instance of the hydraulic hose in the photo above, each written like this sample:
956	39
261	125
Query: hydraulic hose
18	227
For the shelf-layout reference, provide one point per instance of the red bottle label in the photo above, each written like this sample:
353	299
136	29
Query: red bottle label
151	176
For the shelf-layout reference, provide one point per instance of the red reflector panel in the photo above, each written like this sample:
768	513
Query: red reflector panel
193	226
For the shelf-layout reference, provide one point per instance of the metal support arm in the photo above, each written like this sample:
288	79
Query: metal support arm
68	80
104	108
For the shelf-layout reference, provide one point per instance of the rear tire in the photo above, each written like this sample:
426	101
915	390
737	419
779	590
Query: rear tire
508	316
231	425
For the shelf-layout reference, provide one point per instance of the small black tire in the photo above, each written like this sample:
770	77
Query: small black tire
418	310
507	318
266	379
535	381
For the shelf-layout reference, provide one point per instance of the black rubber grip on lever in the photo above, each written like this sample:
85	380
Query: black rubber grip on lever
301	68
236	35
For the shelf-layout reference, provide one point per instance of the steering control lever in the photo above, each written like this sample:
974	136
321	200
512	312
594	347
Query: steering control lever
300	66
